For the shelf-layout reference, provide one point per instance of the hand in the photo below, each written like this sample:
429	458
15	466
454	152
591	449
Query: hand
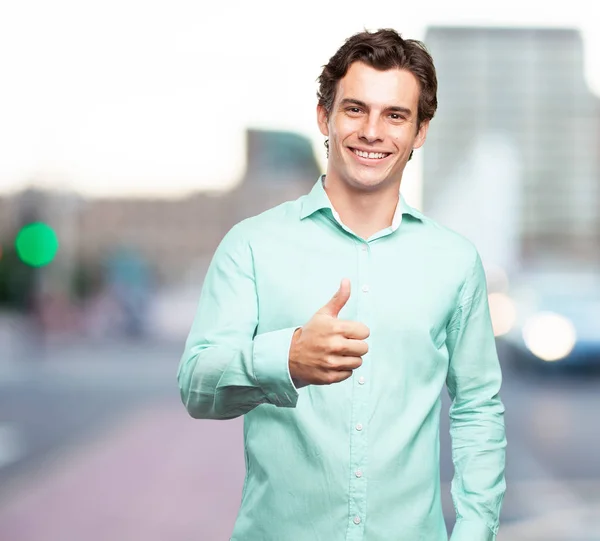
327	349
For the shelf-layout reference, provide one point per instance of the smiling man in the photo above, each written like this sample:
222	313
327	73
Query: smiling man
333	323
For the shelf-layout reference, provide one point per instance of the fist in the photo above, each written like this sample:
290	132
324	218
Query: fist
327	349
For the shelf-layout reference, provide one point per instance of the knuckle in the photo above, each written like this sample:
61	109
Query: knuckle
321	344
335	346
330	377
345	375
337	326
330	362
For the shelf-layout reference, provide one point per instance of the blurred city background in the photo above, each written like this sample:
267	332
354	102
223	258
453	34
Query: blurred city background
134	136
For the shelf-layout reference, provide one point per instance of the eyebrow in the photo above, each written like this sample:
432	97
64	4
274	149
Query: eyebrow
394	108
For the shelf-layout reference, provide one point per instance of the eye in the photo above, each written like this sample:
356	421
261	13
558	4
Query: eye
354	110
396	116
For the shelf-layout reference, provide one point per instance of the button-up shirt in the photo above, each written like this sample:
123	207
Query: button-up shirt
356	460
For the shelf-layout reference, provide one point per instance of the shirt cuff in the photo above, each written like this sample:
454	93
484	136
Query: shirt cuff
472	530
272	367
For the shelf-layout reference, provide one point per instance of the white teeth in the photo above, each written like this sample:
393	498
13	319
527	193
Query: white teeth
371	155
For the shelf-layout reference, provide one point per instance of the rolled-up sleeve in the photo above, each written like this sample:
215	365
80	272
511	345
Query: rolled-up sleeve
227	370
476	414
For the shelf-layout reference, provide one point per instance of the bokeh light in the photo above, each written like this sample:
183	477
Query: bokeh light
36	244
503	313
549	336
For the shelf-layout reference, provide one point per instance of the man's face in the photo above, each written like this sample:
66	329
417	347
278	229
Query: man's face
372	127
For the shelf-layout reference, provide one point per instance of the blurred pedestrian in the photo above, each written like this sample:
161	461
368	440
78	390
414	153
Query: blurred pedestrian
341	394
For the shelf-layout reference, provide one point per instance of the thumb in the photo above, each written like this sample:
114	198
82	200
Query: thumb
337	302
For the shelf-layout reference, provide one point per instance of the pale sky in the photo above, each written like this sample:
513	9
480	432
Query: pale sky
132	97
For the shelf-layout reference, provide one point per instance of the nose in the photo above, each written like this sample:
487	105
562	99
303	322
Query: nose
371	130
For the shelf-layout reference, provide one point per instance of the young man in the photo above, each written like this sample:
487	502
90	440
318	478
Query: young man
341	394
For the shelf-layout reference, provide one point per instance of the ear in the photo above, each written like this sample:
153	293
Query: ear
421	134
322	118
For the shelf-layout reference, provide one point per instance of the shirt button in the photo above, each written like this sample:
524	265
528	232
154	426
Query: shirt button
361	380
356	520
364	248
365	288
358	473
359	427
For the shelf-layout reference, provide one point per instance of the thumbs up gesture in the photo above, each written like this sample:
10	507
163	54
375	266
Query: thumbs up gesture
327	349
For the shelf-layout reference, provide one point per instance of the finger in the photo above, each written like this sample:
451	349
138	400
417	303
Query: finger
335	376
338	301
354	330
352	348
344	362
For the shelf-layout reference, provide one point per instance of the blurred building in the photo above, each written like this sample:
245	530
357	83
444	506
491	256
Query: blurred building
6	215
175	236
513	155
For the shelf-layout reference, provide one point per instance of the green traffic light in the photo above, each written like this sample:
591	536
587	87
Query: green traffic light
36	244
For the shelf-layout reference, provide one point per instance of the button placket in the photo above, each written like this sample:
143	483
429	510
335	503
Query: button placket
358	437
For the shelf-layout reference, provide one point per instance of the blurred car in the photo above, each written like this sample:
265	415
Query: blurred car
555	320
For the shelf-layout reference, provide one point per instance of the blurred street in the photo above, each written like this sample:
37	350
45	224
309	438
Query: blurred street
95	445
126	161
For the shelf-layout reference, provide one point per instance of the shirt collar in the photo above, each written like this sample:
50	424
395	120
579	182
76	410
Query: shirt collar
317	199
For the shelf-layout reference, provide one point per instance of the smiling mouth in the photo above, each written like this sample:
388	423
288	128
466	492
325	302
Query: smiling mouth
370	155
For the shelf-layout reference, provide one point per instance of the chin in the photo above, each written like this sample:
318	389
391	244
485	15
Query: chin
367	182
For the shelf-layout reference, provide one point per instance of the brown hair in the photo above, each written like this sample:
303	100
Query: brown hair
382	50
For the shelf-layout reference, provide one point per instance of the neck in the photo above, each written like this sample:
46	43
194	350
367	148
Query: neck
364	212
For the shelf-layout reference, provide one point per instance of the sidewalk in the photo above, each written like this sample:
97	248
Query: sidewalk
157	476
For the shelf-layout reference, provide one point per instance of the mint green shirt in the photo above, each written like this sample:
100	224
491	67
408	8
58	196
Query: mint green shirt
356	460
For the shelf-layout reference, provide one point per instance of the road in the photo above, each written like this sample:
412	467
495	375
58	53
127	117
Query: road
95	445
